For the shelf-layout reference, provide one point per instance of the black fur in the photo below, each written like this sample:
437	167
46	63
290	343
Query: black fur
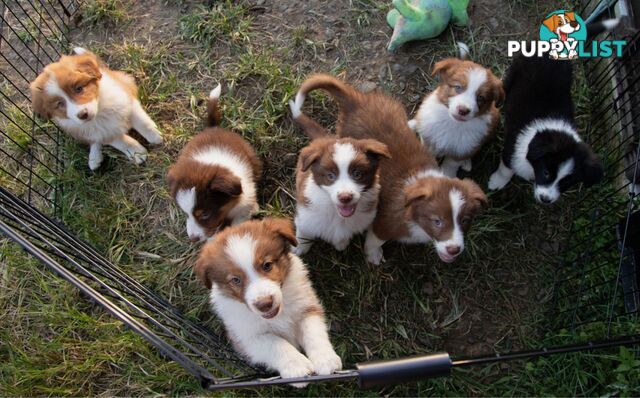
540	88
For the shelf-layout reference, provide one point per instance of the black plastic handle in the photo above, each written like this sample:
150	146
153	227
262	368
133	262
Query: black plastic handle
383	373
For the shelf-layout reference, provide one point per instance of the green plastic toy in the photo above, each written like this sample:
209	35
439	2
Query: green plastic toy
424	19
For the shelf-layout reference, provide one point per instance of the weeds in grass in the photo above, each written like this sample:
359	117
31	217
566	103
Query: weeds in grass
104	13
224	22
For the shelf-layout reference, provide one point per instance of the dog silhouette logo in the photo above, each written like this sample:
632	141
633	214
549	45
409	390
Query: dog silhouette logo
563	30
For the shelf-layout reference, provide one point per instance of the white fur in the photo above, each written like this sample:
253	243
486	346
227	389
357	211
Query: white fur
296	107
373	248
519	163
247	204
111	115
463	50
476	78
446	136
215	93
457	237
276	342
552	191
320	217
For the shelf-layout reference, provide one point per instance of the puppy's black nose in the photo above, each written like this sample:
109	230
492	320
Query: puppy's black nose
574	24
545	199
463	111
83	114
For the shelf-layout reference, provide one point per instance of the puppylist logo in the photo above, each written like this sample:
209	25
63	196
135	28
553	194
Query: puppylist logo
563	36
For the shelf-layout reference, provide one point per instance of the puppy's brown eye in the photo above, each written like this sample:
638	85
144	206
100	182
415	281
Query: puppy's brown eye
357	174
481	98
78	89
235	281
60	104
204	215
465	221
268	266
437	222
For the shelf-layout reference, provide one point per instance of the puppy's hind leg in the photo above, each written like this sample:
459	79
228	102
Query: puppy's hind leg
373	248
500	177
143	124
450	167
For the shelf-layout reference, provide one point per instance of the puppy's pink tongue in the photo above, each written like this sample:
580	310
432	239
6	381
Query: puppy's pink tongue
346	210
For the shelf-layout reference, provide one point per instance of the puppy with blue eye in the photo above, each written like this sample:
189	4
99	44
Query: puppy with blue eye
337	184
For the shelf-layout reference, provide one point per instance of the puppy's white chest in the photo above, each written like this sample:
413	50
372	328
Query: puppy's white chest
446	136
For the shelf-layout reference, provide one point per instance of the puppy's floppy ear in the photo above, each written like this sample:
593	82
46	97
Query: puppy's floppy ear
226	183
172	180
443	67
203	267
571	16
592	168
416	192
38	97
376	149
498	92
541	145
282	227
475	193
309	155
88	64
551	23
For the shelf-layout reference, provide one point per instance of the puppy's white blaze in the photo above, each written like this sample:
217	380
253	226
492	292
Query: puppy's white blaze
424	174
343	155
79	50
463	50
241	250
186	199
552	191
477	77
72	108
215	93
457	237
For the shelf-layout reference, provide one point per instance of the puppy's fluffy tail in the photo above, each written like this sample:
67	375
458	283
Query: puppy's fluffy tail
463	50
213	110
344	94
606	25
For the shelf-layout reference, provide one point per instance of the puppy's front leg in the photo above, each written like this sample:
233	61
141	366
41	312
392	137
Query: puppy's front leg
450	167
277	354
131	148
500	177
143	124
373	248
315	341
95	156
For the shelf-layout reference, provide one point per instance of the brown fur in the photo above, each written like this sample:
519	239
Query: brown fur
376	115
273	237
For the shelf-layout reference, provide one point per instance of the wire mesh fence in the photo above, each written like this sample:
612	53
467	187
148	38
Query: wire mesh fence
596	292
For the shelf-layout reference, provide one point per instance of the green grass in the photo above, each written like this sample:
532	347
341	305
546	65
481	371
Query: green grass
494	298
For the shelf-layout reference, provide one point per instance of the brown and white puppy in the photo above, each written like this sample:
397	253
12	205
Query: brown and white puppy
458	117
94	105
214	179
418	204
337	184
265	299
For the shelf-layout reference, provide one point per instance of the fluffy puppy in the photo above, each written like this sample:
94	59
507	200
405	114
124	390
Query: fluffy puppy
541	140
214	179
460	114
264	297
418	204
337	186
93	104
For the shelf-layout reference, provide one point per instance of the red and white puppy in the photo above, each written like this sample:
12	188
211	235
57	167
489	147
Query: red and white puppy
265	299
418	204
94	105
337	185
460	114
214	179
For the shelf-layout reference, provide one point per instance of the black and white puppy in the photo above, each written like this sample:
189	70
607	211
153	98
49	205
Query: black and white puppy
541	141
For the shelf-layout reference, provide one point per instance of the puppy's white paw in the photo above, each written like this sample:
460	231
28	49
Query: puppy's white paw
496	181
341	245
298	366
95	162
466	165
375	256
139	157
154	137
79	50
326	362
